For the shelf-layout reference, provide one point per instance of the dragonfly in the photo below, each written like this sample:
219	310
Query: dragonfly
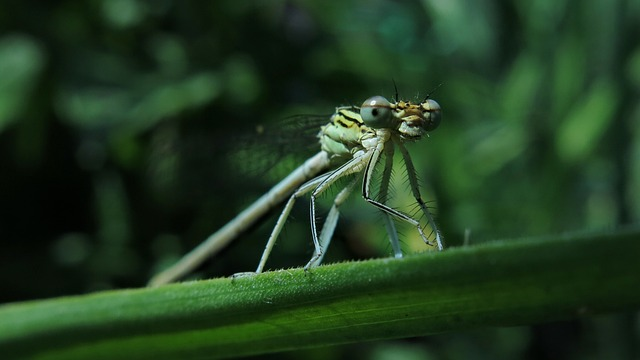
352	144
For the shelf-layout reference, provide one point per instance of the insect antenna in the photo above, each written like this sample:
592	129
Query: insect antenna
431	92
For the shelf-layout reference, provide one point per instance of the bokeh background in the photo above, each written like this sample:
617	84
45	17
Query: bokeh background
118	120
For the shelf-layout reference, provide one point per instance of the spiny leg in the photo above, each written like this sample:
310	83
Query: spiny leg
353	166
366	194
383	195
304	189
413	181
244	220
332	219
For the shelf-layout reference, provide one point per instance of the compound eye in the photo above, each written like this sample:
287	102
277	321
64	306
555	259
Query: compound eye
433	114
376	112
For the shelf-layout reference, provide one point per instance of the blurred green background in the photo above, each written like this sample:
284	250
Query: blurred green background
116	116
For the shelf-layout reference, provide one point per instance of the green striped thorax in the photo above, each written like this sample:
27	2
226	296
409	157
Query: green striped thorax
349	126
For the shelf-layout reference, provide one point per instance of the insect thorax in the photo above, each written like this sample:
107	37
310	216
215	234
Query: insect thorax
342	136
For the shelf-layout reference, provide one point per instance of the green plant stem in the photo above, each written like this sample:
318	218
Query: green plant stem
495	284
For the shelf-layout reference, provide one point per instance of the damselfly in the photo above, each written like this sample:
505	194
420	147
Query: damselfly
353	142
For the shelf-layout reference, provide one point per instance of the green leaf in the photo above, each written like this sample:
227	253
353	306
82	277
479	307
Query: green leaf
585	126
22	60
501	283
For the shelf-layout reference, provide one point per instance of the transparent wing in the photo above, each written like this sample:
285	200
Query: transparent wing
273	150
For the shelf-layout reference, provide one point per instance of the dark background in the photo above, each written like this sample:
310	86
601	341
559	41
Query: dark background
117	120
